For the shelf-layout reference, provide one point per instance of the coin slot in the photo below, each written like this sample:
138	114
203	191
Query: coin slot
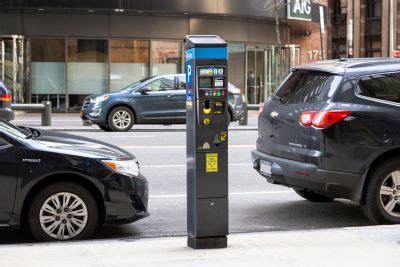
207	108
207	104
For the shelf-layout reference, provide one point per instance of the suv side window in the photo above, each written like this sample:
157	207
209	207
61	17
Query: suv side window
162	84
380	86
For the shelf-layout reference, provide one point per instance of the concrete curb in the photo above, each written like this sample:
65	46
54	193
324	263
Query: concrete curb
358	246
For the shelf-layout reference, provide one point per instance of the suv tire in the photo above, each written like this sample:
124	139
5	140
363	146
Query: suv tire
48	208
313	197
229	118
382	191
120	119
105	128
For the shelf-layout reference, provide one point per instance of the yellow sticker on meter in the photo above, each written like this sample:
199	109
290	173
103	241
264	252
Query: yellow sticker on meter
212	162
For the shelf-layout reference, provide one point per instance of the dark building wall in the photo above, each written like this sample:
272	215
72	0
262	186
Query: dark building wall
119	26
244	8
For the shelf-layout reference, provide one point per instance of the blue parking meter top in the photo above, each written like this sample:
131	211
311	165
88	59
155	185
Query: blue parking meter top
204	41
205	47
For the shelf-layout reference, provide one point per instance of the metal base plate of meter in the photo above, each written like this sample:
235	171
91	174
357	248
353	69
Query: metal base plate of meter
207	242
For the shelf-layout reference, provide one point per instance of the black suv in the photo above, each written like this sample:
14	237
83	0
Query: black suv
332	130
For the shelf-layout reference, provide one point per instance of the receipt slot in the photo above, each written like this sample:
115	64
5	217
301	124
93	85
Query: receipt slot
207	141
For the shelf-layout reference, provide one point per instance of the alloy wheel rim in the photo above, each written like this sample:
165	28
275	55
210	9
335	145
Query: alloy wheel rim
121	119
63	216
389	194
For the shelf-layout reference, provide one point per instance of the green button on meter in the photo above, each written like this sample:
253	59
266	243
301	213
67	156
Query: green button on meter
218	93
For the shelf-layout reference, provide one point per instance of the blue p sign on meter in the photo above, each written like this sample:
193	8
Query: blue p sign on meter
189	76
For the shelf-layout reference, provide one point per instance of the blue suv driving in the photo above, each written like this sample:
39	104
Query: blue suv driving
154	100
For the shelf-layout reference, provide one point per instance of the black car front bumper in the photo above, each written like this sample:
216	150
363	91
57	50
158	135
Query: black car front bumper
126	199
304	175
99	120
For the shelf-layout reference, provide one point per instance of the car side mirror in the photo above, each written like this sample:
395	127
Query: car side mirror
145	90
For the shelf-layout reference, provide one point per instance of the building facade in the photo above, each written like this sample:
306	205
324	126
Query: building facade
65	50
364	28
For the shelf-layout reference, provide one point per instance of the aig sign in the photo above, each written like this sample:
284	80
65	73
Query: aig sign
299	9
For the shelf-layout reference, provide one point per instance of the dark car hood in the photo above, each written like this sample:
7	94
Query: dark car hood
79	146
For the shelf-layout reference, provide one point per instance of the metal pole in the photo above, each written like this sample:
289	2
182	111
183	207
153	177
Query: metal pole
46	113
321	29
244	120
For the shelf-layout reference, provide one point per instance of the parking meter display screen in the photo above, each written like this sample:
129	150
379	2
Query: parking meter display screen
211	71
205	82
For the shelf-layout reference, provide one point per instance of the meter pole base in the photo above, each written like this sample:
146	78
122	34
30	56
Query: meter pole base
207	242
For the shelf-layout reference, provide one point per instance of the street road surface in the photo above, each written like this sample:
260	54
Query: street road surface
255	205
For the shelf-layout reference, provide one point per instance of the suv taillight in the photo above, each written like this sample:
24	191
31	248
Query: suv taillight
261	109
323	119
5	97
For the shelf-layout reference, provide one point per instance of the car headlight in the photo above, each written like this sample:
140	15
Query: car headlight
130	167
101	98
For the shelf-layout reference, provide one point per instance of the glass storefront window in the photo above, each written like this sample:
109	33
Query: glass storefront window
166	57
48	71
129	62
87	69
237	65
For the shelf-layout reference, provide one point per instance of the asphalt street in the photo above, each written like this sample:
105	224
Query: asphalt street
255	205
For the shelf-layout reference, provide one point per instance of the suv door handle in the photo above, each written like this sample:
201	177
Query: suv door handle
170	95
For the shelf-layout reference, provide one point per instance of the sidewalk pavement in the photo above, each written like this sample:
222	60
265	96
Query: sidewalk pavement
73	122
359	246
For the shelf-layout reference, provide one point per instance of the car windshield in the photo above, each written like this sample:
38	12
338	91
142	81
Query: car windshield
13	130
135	84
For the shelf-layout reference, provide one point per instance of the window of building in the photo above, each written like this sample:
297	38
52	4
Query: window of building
129	62
340	10
47	72
166	57
374	8
373	28
87	69
382	86
339	29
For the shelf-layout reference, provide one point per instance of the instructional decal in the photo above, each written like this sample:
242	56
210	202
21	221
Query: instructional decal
189	101
224	135
212	162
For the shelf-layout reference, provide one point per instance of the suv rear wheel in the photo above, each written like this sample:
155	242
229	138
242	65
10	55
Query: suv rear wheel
311	196
382	195
120	119
63	211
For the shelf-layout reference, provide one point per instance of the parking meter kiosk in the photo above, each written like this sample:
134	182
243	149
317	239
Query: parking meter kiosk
207	141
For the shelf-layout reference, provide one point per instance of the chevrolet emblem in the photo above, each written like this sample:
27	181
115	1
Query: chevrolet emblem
274	114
